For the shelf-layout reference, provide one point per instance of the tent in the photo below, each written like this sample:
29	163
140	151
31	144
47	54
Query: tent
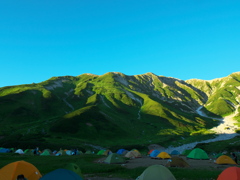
135	150
61	174
150	151
75	168
154	153
224	159
133	154
100	152
177	162
28	152
186	152
4	150
120	151
231	173
12	170
69	152
19	151
88	152
46	152
198	153
79	152
114	158
107	152
61	152
156	172
163	155
175	152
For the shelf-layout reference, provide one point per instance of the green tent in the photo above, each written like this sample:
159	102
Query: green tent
101	152
28	152
198	153
88	152
79	152
156	172
46	152
75	168
186	152
114	158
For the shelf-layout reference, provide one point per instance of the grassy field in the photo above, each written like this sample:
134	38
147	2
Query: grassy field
86	163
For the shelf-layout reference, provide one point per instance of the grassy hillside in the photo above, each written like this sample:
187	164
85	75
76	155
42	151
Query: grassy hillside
112	109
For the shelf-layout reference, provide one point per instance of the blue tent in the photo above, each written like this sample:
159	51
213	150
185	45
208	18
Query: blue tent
175	152
61	174
154	153
4	150
120	151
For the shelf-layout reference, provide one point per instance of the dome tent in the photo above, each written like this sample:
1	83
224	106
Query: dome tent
46	152
75	168
224	159
133	154
198	153
231	173
175	152
163	155
120	151
19	151
12	170
177	162
156	172
100	152
154	153
61	174
114	158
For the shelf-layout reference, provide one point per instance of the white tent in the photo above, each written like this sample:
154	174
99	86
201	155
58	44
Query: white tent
19	151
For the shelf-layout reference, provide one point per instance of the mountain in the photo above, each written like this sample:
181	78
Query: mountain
113	109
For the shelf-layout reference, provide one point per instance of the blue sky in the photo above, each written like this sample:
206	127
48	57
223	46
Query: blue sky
184	39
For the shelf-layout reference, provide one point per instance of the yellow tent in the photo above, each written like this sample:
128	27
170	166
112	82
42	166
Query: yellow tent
12	170
164	155
225	160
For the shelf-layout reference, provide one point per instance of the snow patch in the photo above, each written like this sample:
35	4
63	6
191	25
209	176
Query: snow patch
225	130
90	92
121	79
129	94
69	92
238	87
104	102
54	85
68	104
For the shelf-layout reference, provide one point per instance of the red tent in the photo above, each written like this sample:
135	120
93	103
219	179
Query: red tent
232	173
149	152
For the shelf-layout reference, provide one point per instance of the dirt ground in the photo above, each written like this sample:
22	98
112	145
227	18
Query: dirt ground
146	161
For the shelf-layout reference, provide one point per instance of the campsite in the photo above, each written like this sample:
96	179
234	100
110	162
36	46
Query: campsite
119	165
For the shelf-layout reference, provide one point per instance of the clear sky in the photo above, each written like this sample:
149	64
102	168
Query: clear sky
184	39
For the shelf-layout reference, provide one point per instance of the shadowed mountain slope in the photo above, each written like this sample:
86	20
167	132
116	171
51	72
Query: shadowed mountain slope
113	108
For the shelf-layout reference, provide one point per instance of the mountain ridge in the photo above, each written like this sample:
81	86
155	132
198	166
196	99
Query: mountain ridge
143	106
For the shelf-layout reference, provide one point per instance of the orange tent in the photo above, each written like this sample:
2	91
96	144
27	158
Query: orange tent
12	170
164	155
232	173
225	160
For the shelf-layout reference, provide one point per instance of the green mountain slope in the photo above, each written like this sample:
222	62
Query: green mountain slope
112	109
